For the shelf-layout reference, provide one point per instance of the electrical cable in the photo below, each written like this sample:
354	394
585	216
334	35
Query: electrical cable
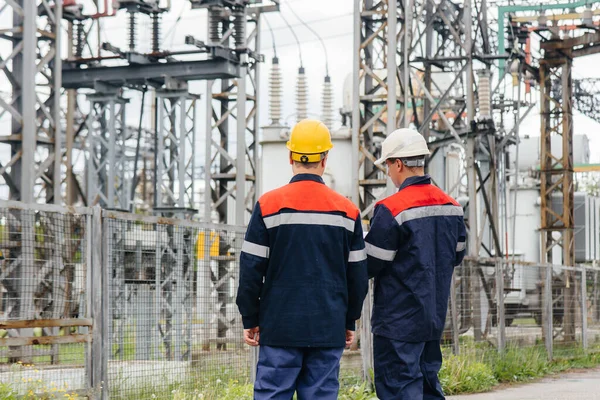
174	26
272	36
318	37
328	37
295	36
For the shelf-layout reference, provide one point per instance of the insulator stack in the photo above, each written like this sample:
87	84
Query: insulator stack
214	25
155	32
240	27
301	96
78	41
327	99
484	95
275	92
132	31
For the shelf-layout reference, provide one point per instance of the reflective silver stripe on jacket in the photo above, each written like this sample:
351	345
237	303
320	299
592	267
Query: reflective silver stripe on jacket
255	249
357	255
299	218
382	254
429	211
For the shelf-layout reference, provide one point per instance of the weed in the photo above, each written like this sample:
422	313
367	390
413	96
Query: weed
463	374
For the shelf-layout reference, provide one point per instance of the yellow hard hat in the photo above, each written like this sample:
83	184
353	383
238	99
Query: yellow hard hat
308	140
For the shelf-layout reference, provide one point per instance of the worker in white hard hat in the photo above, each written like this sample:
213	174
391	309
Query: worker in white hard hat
416	239
303	276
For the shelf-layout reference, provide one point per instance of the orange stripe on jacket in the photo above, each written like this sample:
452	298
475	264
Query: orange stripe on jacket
306	196
417	196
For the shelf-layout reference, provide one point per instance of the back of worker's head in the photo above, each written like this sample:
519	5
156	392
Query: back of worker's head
404	152
309	144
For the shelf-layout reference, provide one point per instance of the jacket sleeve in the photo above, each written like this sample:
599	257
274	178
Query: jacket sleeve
381	241
461	245
358	281
254	260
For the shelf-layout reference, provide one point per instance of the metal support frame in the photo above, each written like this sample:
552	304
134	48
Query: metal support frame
173	293
107	134
231	177
150	73
375	82
175	160
32	79
557	173
402	53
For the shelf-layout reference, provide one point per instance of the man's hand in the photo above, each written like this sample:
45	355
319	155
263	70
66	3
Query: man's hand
349	337
252	336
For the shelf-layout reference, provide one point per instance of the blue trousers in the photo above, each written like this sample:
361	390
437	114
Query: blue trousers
407	371
312	372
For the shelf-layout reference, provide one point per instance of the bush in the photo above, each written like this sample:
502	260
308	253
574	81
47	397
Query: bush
463	374
517	365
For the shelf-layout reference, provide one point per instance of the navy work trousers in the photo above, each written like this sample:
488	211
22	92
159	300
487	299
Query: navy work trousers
407	371
312	372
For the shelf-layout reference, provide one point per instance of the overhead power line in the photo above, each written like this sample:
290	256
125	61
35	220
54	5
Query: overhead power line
318	37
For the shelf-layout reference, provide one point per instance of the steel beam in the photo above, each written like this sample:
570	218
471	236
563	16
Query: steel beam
230	177
557	226
31	69
153	74
175	161
107	132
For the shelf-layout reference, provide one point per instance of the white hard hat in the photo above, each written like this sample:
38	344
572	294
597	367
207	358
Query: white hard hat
403	143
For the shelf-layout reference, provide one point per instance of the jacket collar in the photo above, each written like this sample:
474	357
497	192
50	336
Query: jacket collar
416	180
307	177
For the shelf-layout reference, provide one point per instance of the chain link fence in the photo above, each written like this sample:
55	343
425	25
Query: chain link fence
174	322
44	309
116	305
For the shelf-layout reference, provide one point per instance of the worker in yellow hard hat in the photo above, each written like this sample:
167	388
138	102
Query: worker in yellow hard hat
303	276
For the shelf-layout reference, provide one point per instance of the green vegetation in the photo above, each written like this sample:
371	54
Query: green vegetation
478	368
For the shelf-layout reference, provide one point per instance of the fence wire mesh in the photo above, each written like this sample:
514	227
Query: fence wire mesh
168	319
173	319
43	275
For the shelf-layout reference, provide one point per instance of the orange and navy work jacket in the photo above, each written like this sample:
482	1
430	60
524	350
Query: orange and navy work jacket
416	239
303	271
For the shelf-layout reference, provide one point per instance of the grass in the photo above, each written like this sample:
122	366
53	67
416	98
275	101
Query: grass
478	368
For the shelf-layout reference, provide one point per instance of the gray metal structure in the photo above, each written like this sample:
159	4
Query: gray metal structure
232	106
32	80
176	141
431	42
35	72
107	134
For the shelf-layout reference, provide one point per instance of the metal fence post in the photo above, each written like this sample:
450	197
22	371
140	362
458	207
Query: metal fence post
500	315
253	363
476	300
89	301
98	360
584	309
547	311
106	314
454	315
366	338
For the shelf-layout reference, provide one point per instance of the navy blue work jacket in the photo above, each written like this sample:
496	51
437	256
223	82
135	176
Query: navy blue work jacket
303	270
416	239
